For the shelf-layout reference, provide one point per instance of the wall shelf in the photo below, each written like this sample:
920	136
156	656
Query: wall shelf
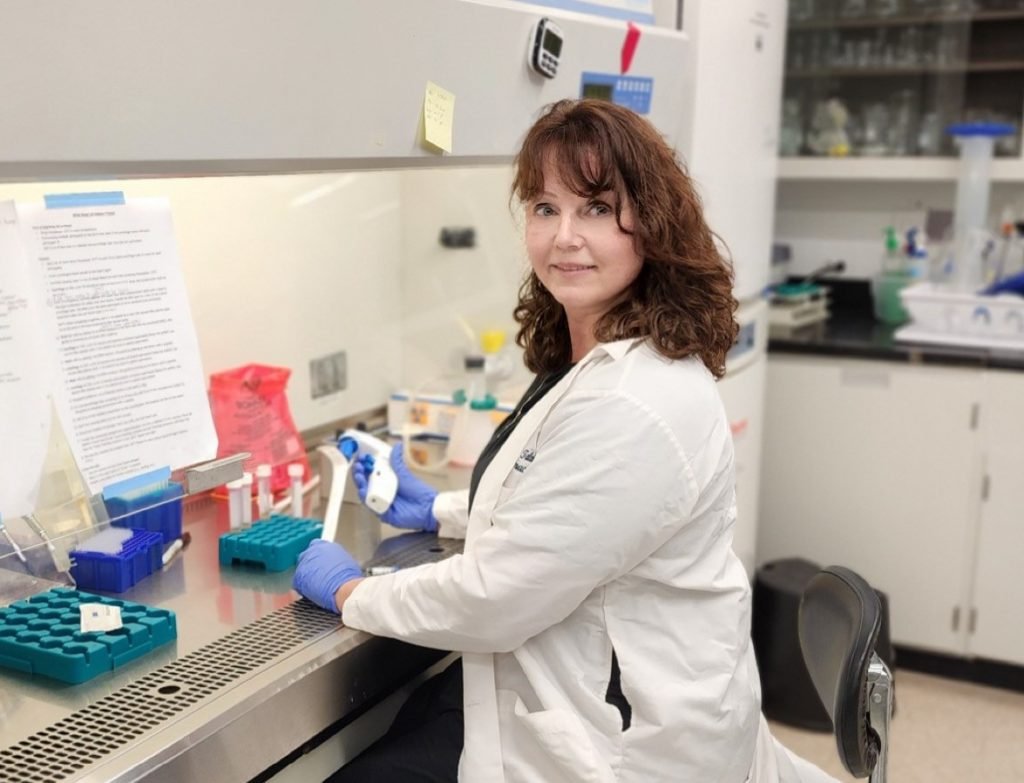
917	70
901	21
889	169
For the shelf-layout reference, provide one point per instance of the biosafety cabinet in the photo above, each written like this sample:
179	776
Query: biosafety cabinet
177	100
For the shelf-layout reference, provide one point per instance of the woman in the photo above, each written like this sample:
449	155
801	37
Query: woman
602	617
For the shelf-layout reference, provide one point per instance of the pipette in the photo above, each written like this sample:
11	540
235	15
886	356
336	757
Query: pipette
382	483
339	475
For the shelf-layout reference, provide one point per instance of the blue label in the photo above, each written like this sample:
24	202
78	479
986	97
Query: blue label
619	10
112	198
633	92
154	479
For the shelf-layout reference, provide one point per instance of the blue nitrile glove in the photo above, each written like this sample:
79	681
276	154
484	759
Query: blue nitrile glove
323	568
413	506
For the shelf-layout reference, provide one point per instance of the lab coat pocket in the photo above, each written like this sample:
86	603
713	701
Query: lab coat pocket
546	745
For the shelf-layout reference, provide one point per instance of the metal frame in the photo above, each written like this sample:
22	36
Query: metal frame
880	698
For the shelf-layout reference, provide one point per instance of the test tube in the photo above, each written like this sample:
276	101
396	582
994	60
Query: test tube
246	499
235	490
295	473
264	499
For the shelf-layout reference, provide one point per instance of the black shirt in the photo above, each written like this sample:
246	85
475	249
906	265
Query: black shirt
540	386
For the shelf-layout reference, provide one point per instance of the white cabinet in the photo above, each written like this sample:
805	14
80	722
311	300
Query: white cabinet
914	477
995	618
874	465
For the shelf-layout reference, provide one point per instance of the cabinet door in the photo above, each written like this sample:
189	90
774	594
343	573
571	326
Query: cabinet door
998	631
873	465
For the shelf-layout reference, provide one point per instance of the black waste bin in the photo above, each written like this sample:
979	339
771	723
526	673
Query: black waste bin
787	692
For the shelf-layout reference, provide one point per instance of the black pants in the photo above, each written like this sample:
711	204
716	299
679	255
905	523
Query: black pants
423	744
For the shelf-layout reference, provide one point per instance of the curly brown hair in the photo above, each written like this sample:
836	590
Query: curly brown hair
682	299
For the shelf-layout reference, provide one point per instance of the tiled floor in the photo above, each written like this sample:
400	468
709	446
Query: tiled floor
944	731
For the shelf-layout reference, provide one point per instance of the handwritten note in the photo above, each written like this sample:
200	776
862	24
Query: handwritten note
438	116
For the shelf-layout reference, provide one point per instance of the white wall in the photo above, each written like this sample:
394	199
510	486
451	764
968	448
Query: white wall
450	296
282	269
828	220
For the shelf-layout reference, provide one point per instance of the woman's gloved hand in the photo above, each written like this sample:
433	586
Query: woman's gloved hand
323	568
413	507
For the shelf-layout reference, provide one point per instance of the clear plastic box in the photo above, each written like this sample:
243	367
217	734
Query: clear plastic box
940	311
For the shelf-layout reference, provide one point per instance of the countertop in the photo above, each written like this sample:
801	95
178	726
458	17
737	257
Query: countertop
852	332
210	705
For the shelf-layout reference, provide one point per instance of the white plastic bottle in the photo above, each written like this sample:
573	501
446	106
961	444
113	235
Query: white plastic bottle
473	425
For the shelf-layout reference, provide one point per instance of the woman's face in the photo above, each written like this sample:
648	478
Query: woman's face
577	249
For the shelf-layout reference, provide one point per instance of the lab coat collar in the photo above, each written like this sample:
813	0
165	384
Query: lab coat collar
617	349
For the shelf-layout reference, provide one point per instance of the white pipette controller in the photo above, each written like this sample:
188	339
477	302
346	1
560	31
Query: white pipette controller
382	483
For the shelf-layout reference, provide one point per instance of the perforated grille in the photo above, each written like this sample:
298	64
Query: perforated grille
86	736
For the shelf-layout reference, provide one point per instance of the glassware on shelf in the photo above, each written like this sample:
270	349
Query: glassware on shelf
828	133
908	47
874	127
852	9
886	8
791	133
929	135
801	10
903	123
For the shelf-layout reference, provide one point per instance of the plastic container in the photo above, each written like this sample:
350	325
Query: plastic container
42	635
970	214
945	311
885	293
157	511
473	428
140	556
274	544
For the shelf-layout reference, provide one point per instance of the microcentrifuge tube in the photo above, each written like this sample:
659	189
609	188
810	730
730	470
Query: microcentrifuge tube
295	473
247	499
264	499
235	490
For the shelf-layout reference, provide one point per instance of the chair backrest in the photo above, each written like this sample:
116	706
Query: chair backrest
839	621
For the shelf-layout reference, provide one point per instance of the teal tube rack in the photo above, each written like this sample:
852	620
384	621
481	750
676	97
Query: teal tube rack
273	543
42	635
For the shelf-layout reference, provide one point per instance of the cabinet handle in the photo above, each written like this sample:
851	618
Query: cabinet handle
972	621
956	618
985	484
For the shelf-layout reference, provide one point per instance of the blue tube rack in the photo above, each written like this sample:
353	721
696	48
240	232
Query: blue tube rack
140	556
42	635
273	543
158	511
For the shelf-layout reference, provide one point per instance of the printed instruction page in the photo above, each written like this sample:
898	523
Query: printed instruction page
130	388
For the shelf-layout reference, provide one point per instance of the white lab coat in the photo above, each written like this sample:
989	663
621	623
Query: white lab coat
603	523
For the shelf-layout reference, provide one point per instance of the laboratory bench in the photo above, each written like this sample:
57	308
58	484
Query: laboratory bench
255	675
852	332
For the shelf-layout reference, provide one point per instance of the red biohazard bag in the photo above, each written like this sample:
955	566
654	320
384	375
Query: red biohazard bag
250	412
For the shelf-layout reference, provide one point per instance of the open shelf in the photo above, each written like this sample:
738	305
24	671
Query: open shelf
903	20
889	169
917	70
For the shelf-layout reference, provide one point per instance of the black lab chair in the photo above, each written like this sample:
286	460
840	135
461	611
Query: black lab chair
839	621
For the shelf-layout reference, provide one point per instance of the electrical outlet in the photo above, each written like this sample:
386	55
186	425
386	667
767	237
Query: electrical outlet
328	374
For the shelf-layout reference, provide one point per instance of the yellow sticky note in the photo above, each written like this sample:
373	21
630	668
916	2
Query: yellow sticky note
438	116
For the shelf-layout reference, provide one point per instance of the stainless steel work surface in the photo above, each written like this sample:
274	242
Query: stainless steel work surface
254	673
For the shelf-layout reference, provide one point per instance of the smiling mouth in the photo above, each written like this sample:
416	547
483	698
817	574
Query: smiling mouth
573	267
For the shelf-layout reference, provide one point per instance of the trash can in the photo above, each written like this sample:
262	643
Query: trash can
787	692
